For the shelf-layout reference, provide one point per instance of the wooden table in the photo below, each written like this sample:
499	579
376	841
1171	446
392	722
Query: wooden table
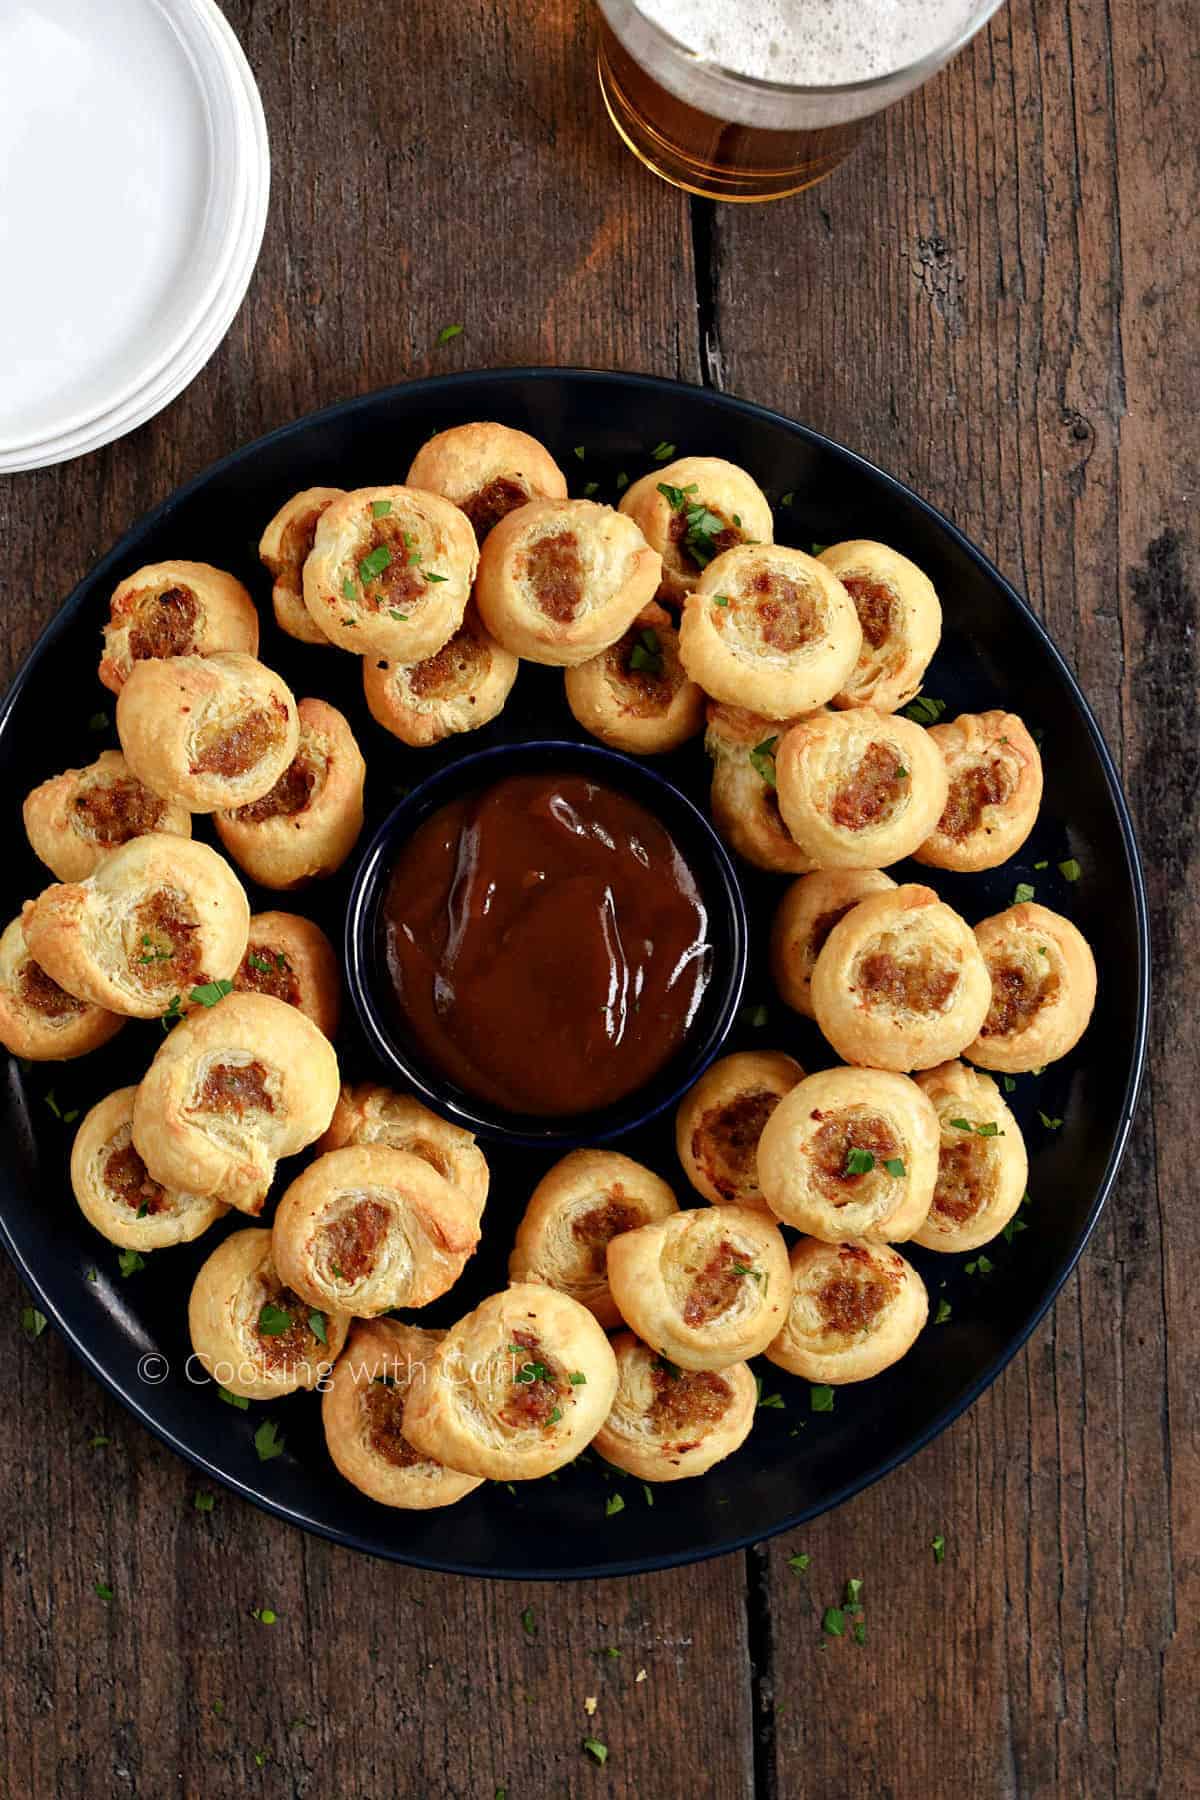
995	299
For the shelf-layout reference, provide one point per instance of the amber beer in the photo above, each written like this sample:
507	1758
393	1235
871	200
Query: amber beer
755	99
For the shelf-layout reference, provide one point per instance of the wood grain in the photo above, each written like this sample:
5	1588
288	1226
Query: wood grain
996	300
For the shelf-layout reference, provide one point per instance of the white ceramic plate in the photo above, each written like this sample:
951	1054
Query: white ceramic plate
120	205
245	146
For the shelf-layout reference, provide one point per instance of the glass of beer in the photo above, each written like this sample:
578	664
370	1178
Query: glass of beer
755	99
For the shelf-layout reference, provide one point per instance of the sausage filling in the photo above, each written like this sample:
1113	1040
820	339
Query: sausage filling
536	1386
291	794
1018	994
916	987
233	750
873	792
164	947
831	1148
235	1089
453	670
280	1350
111	812
686	1404
725	1141
786	616
717	1286
164	624
126	1179
961	1185
351	1244
265	970
596	1228
493	502
383	1404
874	605
982	784
554	570
43	995
850	1302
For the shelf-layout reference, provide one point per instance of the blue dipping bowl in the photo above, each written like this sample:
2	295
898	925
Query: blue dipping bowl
371	987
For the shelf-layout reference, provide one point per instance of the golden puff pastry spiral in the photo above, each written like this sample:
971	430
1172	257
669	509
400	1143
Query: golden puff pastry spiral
369	1228
160	916
77	817
40	1020
574	1212
851	1153
362	1411
560	580
233	1088
720	1121
292	959
901	619
744	799
460	687
372	1114
995	774
900	982
636	695
487	470
175	609
769	629
855	1310
283	550
250	1332
390	572
693	509
982	1162
516	1389
116	1194
804	918
207	731
1043	980
305	826
705	1288
668	1423
859	790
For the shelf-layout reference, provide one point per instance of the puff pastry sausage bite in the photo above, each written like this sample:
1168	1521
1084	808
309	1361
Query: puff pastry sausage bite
292	959
901	619
859	790
460	687
770	629
368	1228
82	814
160	916
175	609
362	1411
804	918
207	731
995	775
40	1020
900	982
982	1163
118	1197
636	695
851	1153
668	1423
1043	978
234	1087
560	580
487	470
744	800
706	1288
516	1389
305	825
721	1119
250	1332
855	1310
371	1114
692	510
574	1212
390	572
283	549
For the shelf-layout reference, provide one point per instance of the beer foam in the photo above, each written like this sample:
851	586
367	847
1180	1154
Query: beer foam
812	43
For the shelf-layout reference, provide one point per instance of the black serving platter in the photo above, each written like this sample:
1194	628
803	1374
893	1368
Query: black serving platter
797	1462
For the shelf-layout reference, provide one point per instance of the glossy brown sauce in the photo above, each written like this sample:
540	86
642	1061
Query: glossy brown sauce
546	942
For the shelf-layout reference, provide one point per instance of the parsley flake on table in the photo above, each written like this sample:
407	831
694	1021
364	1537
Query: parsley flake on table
209	992
614	1504
33	1322
982	1265
1010	1230
591	489
105	1592
203	1502
854	1588
268	1441
448	332
130	1262
622	482
238	1400
663	452
762	759
938	1546
820	1398
819	549
264	1615
798	1564
1023	892
924	710
833	1622
772	1402
99	1442
860	1631
596	1750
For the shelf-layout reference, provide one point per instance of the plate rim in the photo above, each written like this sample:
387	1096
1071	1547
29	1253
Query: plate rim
663	386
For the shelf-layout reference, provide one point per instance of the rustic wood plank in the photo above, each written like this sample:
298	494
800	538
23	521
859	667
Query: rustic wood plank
430	168
996	300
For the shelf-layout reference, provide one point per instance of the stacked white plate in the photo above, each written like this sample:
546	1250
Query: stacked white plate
136	175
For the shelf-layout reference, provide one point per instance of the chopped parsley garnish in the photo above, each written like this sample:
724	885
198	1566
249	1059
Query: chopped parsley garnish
1011	1229
33	1322
833	1622
591	488
316	1324
762	759
924	710
720	599
786	499
596	1750
901	772
402	618
265	1615
209	992
353	623
555	1416
431	576
268	1441
374	563
614	1504
52	1103
648	1493
1070	870
448	332
99	1442
982	1265
819	549
142	1210
622	482
773	1402
676	497
745	1269
1050	1124
238	1400
273	1320
668	1368
105	1592
349	590
260	963
528	1624
988	1129
754	1016
130	1262
646	655
1010	1086
578	1379
172	1015
580	451
532	1371
854	1588
894	1166
1023	891
942	1313
203	1502
703	529
98	722
663	452
380	509
938	1546
858	1162
860	1631
798	1564
821	1398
